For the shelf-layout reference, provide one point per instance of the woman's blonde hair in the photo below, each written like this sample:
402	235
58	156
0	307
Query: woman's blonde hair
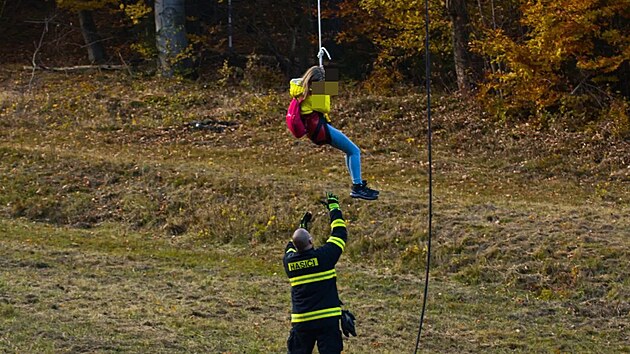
314	73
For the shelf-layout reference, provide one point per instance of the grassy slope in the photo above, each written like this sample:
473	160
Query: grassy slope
158	238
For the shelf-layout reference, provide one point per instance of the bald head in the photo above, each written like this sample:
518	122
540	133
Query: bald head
302	240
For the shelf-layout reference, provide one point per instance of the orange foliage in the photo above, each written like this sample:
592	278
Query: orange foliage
396	29
568	44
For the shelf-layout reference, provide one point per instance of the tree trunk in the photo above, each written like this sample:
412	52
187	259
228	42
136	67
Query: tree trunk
461	34
170	35
96	51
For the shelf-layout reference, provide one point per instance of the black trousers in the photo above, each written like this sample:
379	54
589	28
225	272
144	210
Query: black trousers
302	341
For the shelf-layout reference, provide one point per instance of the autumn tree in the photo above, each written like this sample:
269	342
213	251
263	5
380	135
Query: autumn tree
284	29
570	54
280	31
170	36
460	27
396	29
84	9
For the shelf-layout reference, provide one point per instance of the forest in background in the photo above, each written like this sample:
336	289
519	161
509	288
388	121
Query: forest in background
541	62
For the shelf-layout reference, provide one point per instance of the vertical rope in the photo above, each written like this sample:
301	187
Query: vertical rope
322	50
430	171
319	29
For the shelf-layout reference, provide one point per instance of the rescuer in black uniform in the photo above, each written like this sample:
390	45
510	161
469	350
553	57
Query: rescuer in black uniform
316	309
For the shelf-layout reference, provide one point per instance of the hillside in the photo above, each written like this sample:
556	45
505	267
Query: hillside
125	228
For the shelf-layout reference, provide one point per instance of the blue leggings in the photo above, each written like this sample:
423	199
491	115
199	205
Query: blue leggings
353	155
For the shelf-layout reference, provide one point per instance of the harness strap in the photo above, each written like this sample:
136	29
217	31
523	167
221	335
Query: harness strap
314	135
315	132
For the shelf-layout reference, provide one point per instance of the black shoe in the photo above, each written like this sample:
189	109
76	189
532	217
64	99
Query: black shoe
365	185
363	192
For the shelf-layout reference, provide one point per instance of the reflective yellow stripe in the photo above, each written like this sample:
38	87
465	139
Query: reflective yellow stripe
315	315
337	223
333	206
291	250
311	278
337	241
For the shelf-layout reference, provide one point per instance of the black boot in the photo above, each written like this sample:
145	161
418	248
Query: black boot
362	191
365	185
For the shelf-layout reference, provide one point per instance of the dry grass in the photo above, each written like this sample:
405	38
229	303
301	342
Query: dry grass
125	230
